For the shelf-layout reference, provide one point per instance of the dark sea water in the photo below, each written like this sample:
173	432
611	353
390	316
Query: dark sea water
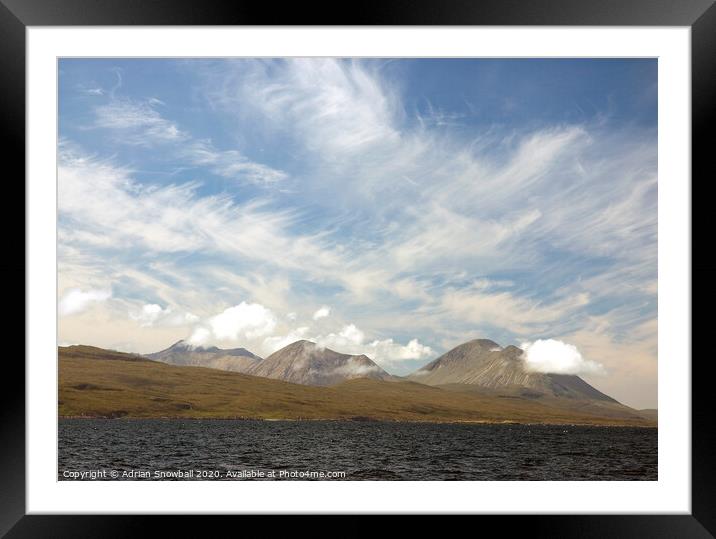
229	450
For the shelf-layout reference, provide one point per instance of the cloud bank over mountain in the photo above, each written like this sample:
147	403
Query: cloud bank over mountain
557	357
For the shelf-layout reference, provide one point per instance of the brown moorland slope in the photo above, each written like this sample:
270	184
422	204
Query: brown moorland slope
98	383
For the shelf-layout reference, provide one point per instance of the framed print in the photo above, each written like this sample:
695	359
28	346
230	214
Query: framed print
424	261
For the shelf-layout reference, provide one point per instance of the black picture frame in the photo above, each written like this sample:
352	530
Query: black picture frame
16	15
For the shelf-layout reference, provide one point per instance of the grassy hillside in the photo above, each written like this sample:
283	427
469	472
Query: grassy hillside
98	383
649	413
596	407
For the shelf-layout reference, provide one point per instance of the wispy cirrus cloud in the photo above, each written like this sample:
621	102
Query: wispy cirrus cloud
232	164
339	107
104	199
137	122
141	123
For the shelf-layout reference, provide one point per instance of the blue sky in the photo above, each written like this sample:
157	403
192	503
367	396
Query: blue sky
393	207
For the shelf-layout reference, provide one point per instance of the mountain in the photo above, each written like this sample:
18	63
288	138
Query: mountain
101	383
92	352
184	354
485	364
304	362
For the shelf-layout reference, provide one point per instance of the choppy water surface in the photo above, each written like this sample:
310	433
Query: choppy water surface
229	450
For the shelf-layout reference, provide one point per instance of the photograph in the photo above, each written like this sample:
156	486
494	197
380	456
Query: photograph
357	268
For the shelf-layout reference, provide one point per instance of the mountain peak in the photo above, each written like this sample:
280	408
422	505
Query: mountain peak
184	353
182	345
484	343
301	346
483	363
305	362
303	343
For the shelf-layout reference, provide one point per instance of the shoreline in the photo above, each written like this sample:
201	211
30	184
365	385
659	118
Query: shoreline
360	420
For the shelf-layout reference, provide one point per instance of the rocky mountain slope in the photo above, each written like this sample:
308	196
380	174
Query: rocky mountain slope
485	364
183	354
304	362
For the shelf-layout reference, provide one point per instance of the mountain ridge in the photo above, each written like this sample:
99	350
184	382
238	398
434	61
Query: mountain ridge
102	383
478	363
305	362
484	363
182	353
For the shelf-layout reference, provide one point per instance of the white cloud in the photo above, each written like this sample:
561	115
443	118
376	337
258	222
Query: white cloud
75	300
105	200
247	320
440	234
553	356
346	339
91	90
323	312
152	314
139	121
352	340
505	309
387	351
508	194
233	164
200	336
148	314
338	106
272	344
179	319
